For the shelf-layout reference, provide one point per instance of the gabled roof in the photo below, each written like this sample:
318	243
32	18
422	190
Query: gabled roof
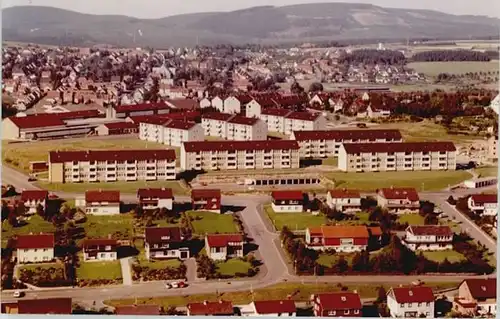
102	196
141	107
430	230
287	195
35	241
222	240
163	234
208	308
116	155
344	193
276	112
481	199
240	145
354	148
217	116
180	125
138	310
412	294
52	306
339	301
205	193
304	116
121	125
340	231
185	104
274	306
482	288
161	193
36	121
34	195
243	120
100	242
400	193
368	134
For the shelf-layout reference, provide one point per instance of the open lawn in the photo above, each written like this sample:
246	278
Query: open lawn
110	270
161	264
35	224
233	266
328	260
300	292
178	187
421	180
330	161
411	219
19	155
211	223
42	266
282	171
453	67
294	221
119	226
439	256
487	171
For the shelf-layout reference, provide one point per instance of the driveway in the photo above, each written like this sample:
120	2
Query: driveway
126	271
191	269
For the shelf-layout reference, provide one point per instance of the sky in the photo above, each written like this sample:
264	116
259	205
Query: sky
162	8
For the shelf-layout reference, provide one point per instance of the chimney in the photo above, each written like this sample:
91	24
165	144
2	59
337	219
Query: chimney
220	301
205	302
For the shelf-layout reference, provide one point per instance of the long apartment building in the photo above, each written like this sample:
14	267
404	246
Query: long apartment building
317	144
373	157
286	121
111	166
234	127
170	132
239	155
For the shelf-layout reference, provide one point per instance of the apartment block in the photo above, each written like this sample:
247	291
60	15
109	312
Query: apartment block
111	166
319	144
239	155
234	127
170	132
380	157
286	121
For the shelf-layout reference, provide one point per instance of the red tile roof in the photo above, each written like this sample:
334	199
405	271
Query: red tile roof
186	104
153	119
208	308
412	294
276	112
205	193
339	301
35	241
304	116
141	107
138	310
430	230
99	242
223	240
400	193
52	306
189	116
237	119
116	155
338	135
243	98
481	199
180	125
121	125
287	195
353	148
102	196
340	231
34	195
274	306
344	193
161	193
482	288
36	121
217	116
374	230
163	234
240	145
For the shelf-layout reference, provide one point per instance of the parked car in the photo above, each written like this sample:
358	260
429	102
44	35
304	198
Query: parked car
175	284
18	294
32	179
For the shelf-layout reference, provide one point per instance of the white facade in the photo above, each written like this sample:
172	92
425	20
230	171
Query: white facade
407	310
288	122
234	129
287	208
376	113
486	209
251	311
293	124
253	109
101	256
98	208
427	242
32	205
159	203
205	103
218	103
166	253
232	105
170	135
340	202
35	255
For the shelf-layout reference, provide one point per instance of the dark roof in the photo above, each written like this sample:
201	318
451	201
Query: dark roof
222	240
152	119
482	288
180	125
141	107
353	148
340	231
344	193
35	241
412	294
51	119
276	112
217	116
400	193
186	104
211	308
339	301
243	98
205	193
117	155
161	234
429	230
240	145
162	193
347	135
275	306
481	199
34	195
238	119
102	196
304	116
56	306
138	310
120	125
287	195
99	242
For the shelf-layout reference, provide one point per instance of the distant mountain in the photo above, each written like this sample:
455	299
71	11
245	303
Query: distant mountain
266	24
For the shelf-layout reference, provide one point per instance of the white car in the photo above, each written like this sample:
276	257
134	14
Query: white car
18	294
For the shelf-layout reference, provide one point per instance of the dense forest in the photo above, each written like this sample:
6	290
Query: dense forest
373	56
450	55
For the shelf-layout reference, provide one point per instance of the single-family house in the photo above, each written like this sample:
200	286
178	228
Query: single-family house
45	306
100	202
483	204
155	198
35	248
274	308
337	304
33	198
224	246
165	242
100	249
206	199
346	200
399	200
210	308
411	302
341	238
138	310
287	201
428	237
477	297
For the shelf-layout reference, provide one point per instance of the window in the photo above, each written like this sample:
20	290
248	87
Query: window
428	304
409	305
346	312
356	311
35	250
402	305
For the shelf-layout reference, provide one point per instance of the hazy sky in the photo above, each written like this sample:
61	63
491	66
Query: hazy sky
161	8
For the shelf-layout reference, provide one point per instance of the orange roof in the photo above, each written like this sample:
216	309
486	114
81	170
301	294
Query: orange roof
341	231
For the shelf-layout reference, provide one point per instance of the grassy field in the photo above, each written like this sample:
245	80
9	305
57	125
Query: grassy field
99	270
411	219
35	224
119	226
161	264
489	171
233	266
428	180
439	256
42	266
298	291
330	260
295	221
210	223
19	155
178	187
255	172
330	161
434	68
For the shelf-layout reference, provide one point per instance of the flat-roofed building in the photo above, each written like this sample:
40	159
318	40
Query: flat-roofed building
111	166
171	132
234	127
319	144
406	156
239	155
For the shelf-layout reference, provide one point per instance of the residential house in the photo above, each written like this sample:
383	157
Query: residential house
341	238
165	242
483	204
399	200
118	128
171	132
206	200
411	302
224	246
477	297
345	200
210	308
138	310
274	308
45	306
428	237
374	112
286	121
287	201
35	248
100	249
493	147
337	304
33	198
100	202
155	198
236	104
